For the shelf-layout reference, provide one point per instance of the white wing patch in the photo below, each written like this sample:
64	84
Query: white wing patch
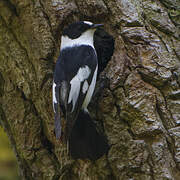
82	74
85	86
87	22
90	90
54	95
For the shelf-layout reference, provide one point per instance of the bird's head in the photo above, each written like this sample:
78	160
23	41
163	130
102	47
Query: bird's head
77	29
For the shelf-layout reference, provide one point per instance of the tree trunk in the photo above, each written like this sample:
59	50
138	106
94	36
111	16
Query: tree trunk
139	109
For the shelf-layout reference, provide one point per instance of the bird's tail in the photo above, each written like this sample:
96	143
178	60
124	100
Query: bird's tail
85	141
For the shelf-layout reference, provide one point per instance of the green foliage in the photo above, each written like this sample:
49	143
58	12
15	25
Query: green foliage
8	166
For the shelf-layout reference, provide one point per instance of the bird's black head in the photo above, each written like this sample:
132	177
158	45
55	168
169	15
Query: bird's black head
75	29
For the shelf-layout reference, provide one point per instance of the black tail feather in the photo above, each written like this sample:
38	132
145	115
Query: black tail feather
85	141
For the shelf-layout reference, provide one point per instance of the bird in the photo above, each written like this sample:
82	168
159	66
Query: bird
74	82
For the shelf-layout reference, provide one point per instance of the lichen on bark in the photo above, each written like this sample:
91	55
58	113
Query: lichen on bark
139	107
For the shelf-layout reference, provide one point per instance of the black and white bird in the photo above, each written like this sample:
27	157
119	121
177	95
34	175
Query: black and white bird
73	86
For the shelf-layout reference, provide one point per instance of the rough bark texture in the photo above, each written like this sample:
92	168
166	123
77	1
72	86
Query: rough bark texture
140	108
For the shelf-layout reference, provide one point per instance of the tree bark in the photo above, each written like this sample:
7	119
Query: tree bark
139	109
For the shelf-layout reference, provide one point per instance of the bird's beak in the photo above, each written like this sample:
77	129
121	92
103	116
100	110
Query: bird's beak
94	26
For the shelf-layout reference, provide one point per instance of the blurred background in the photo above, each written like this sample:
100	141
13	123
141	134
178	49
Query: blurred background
8	164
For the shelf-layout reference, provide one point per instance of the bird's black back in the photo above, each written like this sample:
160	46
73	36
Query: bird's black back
71	59
67	66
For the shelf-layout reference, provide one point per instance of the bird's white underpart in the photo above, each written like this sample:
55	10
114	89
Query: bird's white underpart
90	90
82	74
85	39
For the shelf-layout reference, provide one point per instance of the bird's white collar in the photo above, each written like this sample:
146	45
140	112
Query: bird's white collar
85	39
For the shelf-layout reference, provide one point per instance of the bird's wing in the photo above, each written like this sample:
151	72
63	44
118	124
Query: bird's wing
80	93
59	93
55	93
74	72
